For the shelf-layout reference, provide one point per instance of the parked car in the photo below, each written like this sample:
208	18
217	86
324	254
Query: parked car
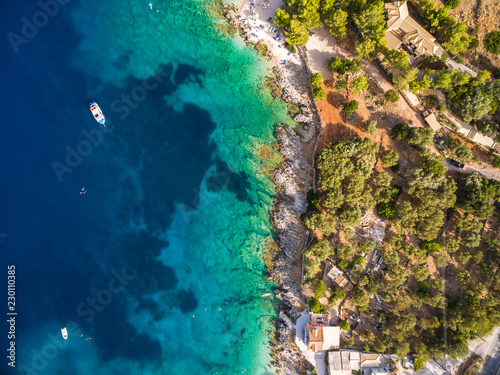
455	163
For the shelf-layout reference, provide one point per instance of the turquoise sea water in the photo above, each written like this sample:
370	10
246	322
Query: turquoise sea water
176	199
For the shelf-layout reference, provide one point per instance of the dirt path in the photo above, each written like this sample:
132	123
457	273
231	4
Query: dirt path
488	173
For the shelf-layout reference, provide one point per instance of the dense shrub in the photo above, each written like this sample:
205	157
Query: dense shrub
351	107
345	325
316	80
492	42
392	96
452	4
496	162
400	131
319	93
386	211
317	307
319	288
431	247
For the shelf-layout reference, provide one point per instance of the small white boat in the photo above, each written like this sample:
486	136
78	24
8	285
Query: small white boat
96	111
266	294
64	333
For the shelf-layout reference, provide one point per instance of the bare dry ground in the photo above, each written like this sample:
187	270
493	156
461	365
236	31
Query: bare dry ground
484	16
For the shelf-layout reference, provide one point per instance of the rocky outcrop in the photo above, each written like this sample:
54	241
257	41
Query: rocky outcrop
293	79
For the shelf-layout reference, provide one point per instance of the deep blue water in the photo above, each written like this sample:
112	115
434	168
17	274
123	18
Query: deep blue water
157	268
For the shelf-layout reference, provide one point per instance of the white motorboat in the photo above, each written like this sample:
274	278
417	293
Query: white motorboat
96	111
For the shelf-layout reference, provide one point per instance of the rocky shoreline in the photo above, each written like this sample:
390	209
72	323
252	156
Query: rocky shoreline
294	178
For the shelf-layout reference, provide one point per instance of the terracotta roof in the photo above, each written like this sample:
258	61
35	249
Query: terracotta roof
323	337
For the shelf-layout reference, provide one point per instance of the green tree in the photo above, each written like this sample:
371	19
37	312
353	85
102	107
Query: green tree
459	79
391	257
392	96
336	65
370	126
282	18
400	131
319	288
463	277
457	39
354	189
403	80
308	13
316	80
463	256
350	216
366	335
481	78
442	81
487	127
452	244
338	24
332	200
389	158
364	48
421	273
359	297
298	34
345	325
492	42
452	4
359	84
345	251
337	293
471	239
477	257
462	152
396	60
351	107
475	106
474	43
476	201
431	247
496	162
340	85
318	220
401	348
313	257
370	19
372	285
319	93
386	211
421	137
316	307
379	347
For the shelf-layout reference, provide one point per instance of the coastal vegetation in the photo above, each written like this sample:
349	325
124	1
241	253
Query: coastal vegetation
438	260
316	81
